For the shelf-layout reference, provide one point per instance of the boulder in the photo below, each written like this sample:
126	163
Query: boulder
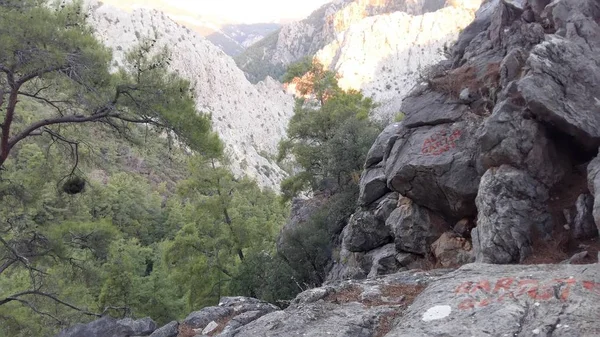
239	321
594	187
508	138
435	167
507	300
464	228
378	149
241	304
102	327
561	88
431	108
347	266
169	330
200	319
381	261
451	250
581	221
365	232
385	206
511	206
140	327
372	186
414	227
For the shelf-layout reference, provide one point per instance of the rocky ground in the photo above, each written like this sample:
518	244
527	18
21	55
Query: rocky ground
494	170
475	300
495	160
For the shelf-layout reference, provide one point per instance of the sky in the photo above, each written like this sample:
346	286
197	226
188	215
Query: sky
242	11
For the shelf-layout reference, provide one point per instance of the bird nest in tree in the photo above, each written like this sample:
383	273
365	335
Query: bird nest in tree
74	185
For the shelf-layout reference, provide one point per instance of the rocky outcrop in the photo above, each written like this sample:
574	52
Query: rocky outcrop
251	119
496	136
110	327
512	207
475	300
414	227
488	300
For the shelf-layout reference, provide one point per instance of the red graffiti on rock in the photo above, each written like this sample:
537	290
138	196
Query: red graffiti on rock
440	142
485	292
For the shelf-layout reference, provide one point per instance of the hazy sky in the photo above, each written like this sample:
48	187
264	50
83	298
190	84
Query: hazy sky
234	10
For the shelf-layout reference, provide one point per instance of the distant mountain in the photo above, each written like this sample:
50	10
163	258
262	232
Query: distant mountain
251	119
233	39
378	46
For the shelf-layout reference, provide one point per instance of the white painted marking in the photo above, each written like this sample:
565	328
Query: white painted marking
437	312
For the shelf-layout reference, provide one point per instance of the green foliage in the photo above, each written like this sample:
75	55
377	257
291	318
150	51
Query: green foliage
298	69
149	235
329	137
255	60
224	218
266	276
399	117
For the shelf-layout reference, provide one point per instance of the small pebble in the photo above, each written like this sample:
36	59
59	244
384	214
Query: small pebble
537	304
536	331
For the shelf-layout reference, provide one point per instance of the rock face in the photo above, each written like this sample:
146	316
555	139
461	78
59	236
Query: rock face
488	300
110	327
511	206
250	122
394	48
415	227
495	136
475	300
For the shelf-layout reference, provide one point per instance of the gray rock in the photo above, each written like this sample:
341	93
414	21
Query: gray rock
382	261
415	227
200	319
492	300
584	226
465	95
241	304
594	187
576	258
212	326
364	232
385	206
377	151
511	206
349	266
464	228
508	138
561	88
102	327
169	330
429	108
406	259
435	167
372	186
343	309
511	65
239	321
451	250
140	327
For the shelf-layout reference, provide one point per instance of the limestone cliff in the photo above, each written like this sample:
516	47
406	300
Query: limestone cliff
249	118
384	55
378	46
